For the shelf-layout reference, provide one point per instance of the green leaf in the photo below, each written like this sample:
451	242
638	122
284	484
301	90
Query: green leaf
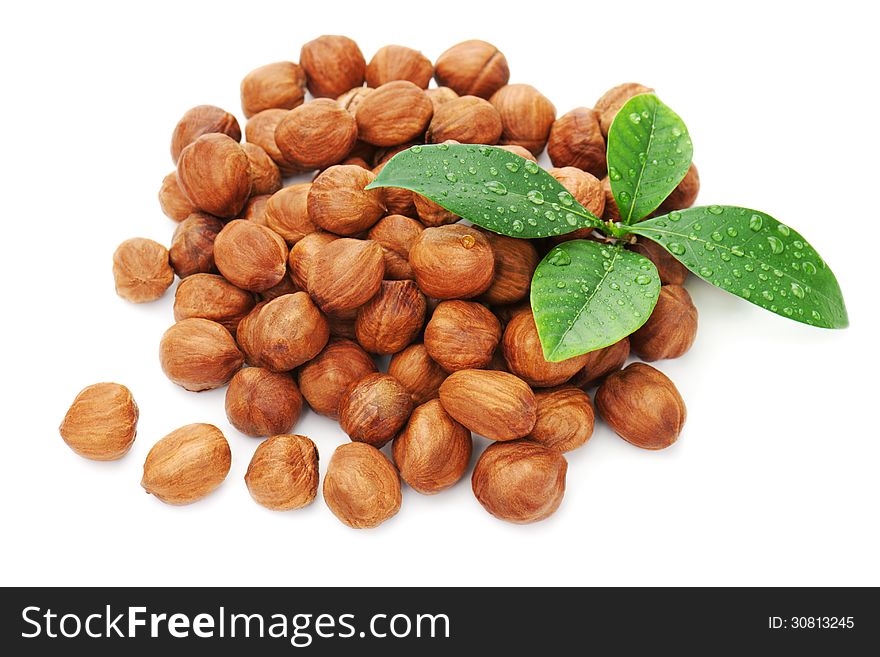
752	255
649	153
490	187
587	295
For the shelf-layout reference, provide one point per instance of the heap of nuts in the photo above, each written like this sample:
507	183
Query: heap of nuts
291	294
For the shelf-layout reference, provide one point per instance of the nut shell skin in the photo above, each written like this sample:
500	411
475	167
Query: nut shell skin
333	65
642	406
576	141
277	85
467	120
202	120
497	405
392	319
192	246
671	271
433	451
212	297
283	473
452	262
255	209
187	464
214	173
141	270
352	98
418	372
431	214
345	274
524	356
462	335
338	202
172	200
685	195
250	256
101	424
287	213
615	98
260	402
325	378
395	113
600	363
472	67
260	130
287	332
565	418
198	354
373	409
671	328
399	63
526	116
316	135
361	486
515	264
302	255
520	481
265	175
396	233
440	95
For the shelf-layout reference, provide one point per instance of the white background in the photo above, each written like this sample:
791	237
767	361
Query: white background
774	480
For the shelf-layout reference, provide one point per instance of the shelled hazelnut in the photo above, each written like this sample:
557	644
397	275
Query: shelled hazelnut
302	255
198	354
472	68
250	256
564	418
515	264
333	64
286	332
352	98
287	213
373	409
576	140
685	194
338	202
255	209
396	234
361	486
431	214
525	357
452	262
600	363
172	200
316	135
345	274
280	85
526	116
392	319
462	335
264	173
497	405
418	372
440	95
396	200
324	379
141	270
283	473
394	113
585	187
192	245
202	120
260	402
214	173
101	424
671	328
399	63
260	130
212	297
613	99
468	120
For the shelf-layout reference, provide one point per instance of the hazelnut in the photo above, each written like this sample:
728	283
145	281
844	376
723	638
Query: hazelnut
265	175
418	373
172	200
245	336
287	332
250	256
642	405
462	335
497	405
565	418
342	327
302	254
345	274
101	423
526	116
279	85
472	68
361	486
433	451
520	481
585	187
440	95
613	99
612	212
671	271
212	297
395	199
373	409
187	464
214	173
323	379
685	194
395	113
333	65
338	202
141	270
260	130
515	264
287	213
260	402
283	473
192	246
286	286
452	262
576	141
431	214
468	120
316	135
399	63
352	98
198	354
396	234
516	149
202	120
255	209
671	328
600	363
525	357
392	319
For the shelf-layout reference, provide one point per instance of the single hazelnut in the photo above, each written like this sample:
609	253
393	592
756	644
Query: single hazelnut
395	113
214	173
520	481
515	264
333	65
187	464
516	149
345	274
585	187
399	63
286	286
352	98
101	424
245	336
361	486
433	451
283	473
565	418
260	130
192	246
198	354
526	116
613	99
600	363
316	135
287	213
279	85
418	373
685	194
212	297
462	335
338	202
392	319
497	405
250	256
524	355
576	141
671	271
671	328
323	379
642	405
440	95
472	68
452	262
260	402
396	234
255	209
302	255
468	120
611	212
141	270
172	200
431	214
287	332
202	120
265	175
373	409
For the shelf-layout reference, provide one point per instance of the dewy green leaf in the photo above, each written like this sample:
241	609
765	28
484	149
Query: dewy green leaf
587	295
649	152
490	187
752	255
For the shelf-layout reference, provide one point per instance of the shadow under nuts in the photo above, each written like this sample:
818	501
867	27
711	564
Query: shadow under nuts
374	409
497	405
250	256
671	329
361	486
198	354
565	418
452	262
283	473
324	379
462	335
101	424
141	270
392	318
260	402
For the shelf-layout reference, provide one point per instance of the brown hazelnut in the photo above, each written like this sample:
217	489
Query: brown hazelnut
101	424
600	363
245	336
515	264
187	464
172	200
395	113
452	262
431	214
345	274
141	270
212	297
361	486
279	85
399	63
524	355
374	409
287	213
520	481
198	354
611	212
462	335
283	473
333	65
433	451
392	319
255	209
202	120
395	199
316	135
396	234
576	141
497	405
265	175
192	246
468	120
352	98
214	173
260	402
250	256
642	405
685	194
418	373
671	271
516	149
565	418
286	332
671	328
472	68
302	255
440	95
286	286
338	202
585	187
613	99
260	130
323	379
526	116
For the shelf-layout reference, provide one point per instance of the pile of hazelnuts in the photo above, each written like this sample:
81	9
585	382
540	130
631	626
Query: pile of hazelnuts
296	293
